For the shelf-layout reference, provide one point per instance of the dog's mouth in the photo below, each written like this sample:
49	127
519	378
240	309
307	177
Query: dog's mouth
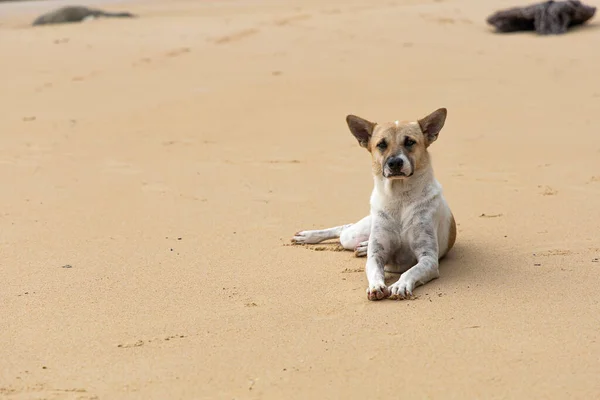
396	175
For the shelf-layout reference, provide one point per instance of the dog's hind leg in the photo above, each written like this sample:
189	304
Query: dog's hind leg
350	235
356	237
319	235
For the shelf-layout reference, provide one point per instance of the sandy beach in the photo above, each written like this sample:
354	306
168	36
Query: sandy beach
155	169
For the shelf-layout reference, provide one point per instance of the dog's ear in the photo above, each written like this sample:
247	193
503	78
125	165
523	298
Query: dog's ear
432	124
361	129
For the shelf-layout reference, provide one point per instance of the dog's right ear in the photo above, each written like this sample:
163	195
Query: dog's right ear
432	124
361	129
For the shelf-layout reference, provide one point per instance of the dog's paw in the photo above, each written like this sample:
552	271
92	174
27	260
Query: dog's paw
361	249
402	289
306	237
378	292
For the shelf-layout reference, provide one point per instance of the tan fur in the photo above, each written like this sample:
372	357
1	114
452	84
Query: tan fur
451	236
395	135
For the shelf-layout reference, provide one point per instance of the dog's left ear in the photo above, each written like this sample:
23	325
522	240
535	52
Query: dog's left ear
432	124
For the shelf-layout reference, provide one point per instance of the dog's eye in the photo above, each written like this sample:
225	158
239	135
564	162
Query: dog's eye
409	142
382	145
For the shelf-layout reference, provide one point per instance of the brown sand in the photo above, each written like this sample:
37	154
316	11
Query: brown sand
168	160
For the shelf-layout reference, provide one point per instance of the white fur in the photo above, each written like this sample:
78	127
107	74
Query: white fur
408	203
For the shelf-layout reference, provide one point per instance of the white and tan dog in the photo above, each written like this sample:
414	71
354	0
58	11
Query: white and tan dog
410	227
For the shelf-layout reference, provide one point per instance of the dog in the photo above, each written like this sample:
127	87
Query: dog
410	227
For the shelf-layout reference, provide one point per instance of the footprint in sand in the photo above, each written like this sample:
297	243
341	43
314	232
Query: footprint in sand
553	252
155	187
42	391
118	167
142	61
80	78
46	85
194	198
169	54
283	162
446	20
548	191
289	20
156	340
234	37
490	215
178	52
325	247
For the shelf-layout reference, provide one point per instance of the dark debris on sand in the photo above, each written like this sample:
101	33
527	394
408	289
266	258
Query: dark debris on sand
546	18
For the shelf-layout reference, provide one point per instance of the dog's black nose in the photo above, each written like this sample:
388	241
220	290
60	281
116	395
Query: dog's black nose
395	163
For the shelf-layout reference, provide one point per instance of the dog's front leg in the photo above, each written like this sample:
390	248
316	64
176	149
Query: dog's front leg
425	247
378	252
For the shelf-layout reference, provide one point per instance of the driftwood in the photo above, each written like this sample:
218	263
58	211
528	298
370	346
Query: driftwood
547	18
76	14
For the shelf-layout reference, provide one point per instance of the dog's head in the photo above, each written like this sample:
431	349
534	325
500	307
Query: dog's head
398	149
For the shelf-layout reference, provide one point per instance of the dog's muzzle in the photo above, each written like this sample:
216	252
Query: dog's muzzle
397	166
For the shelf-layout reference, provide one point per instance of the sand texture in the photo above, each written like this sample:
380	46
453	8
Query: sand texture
154	170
